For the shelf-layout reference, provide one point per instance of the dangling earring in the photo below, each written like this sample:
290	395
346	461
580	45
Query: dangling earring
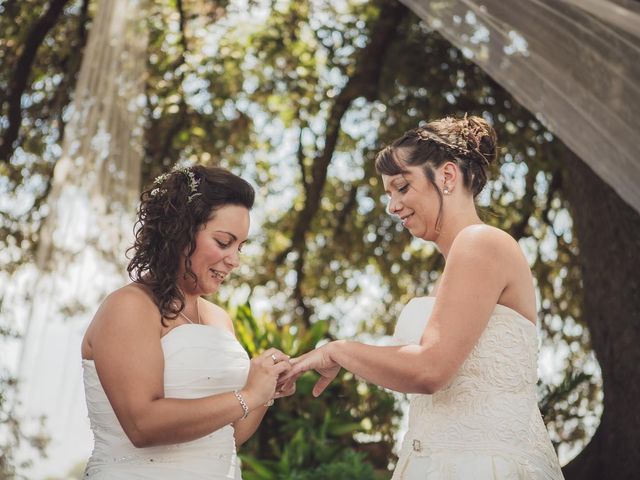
446	191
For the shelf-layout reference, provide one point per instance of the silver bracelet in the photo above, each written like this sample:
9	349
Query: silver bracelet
243	404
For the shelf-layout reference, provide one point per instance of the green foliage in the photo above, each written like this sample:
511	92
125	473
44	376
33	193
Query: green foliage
349	466
24	182
302	433
257	94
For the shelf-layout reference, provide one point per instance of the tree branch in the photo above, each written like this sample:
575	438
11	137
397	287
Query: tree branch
298	294
348	207
18	82
357	86
182	23
364	83
300	155
182	115
71	65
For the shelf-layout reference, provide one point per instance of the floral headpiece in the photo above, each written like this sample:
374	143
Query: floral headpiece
193	182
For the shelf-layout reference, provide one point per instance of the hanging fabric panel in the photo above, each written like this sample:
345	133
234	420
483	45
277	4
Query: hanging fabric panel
573	63
81	253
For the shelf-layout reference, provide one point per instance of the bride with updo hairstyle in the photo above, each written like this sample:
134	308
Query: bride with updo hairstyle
467	353
470	143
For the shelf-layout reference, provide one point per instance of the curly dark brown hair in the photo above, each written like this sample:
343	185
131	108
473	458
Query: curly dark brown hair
170	214
469	142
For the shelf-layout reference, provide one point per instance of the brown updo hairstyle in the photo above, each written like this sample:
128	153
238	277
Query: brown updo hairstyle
171	212
469	142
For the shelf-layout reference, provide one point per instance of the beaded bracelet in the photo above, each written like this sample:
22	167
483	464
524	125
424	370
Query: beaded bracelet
243	404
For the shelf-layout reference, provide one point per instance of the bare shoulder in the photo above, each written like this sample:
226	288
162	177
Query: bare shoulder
484	240
130	299
501	268
489	252
216	315
125	311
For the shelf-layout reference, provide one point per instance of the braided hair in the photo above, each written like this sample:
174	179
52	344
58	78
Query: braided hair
469	142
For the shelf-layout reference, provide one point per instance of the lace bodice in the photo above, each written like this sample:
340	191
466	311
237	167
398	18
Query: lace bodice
199	360
490	405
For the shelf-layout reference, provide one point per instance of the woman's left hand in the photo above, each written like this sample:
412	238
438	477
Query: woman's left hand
319	360
284	389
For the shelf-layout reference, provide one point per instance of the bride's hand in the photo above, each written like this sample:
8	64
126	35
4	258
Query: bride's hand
264	373
319	360
284	389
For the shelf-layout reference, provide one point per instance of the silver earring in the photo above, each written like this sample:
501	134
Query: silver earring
446	191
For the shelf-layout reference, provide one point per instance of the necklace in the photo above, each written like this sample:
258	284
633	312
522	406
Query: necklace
189	320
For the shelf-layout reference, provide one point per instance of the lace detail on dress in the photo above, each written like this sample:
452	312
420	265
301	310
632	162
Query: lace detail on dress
488	410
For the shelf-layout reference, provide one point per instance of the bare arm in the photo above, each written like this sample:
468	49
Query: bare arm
243	430
246	428
128	356
471	284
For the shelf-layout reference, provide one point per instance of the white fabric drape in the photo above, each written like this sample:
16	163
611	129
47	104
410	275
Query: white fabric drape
84	237
574	63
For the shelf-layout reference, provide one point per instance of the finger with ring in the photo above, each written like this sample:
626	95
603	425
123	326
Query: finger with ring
273	357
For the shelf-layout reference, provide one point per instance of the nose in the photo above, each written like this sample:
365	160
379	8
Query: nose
232	260
395	205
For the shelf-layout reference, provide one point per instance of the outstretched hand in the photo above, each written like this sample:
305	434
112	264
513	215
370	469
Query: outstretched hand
319	360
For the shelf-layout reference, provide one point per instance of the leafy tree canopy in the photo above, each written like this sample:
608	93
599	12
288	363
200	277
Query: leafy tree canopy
298	97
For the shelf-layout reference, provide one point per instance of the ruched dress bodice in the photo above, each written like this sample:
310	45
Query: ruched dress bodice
485	424
199	360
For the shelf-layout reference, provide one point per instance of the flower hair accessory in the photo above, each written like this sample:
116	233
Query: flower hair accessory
193	182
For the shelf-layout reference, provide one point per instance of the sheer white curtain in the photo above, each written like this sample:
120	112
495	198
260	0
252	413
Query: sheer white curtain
83	240
574	63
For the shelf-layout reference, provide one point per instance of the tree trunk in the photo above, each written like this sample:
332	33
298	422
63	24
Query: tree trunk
608	233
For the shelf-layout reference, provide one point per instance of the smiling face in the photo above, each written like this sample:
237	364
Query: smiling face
218	243
414	200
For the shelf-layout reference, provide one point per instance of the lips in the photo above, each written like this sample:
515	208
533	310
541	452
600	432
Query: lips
217	274
406	218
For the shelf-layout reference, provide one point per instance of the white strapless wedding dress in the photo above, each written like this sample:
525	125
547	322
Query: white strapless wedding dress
486	423
200	360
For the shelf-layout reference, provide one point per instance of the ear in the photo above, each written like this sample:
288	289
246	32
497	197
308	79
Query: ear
449	173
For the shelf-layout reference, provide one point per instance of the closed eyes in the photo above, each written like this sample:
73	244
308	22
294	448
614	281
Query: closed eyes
225	245
402	189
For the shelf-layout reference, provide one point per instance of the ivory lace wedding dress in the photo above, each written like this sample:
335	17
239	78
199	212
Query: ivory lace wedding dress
485	424
200	360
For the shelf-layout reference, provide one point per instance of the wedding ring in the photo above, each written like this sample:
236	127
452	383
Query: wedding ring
273	357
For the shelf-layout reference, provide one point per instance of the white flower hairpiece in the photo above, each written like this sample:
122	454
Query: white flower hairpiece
194	182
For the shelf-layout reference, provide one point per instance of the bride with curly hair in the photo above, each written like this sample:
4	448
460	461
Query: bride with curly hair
170	391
